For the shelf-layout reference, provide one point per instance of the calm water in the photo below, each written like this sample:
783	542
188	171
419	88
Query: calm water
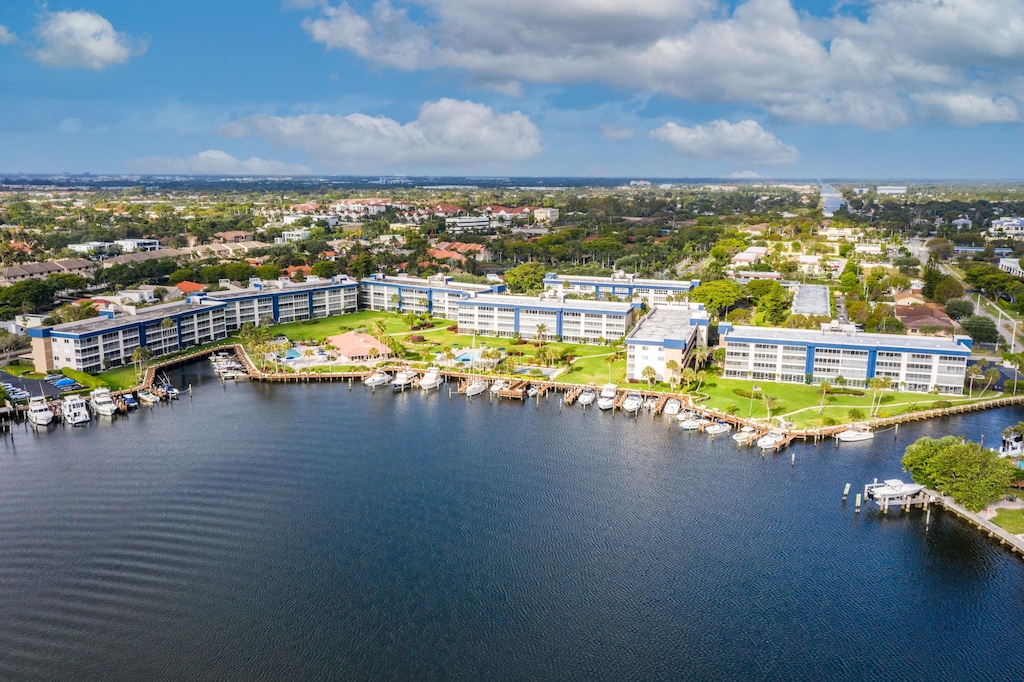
271	532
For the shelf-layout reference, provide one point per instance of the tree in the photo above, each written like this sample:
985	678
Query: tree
980	329
973	475
649	373
774	307
958	308
324	268
948	289
140	356
609	360
825	388
689	376
700	356
717	295
268	271
11	345
974	372
769	402
672	366
542	330
524	278
992	375
180	275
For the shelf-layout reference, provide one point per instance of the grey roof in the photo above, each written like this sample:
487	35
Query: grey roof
811	299
143	316
666	322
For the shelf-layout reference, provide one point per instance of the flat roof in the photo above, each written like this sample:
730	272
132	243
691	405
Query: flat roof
271	287
590	279
666	322
553	303
930	344
427	284
121	319
811	299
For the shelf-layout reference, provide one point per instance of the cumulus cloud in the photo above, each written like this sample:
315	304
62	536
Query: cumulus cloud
447	132
876	69
213	162
746	141
81	40
6	36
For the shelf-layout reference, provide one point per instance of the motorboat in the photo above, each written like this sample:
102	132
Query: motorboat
691	424
171	391
770	440
744	434
378	378
854	435
74	410
588	396
431	378
476	387
606	400
650	403
498	385
39	412
130	403
403	379
532	391
632	403
148	397
672	407
717	428
102	403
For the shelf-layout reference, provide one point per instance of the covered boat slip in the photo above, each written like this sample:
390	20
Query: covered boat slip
893	492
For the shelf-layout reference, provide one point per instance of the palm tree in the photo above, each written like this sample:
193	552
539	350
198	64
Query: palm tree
649	373
689	376
449	356
672	366
380	329
825	387
991	375
700	356
701	377
542	330
374	353
542	354
769	403
875	384
609	360
396	301
140	356
973	372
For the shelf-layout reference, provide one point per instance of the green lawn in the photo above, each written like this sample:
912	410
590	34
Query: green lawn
1010	519
319	329
121	378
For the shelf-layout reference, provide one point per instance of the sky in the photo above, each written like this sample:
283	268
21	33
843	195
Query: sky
899	89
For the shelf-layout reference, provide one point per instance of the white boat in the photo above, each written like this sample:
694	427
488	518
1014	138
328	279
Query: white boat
606	400
102	403
744	434
854	435
39	412
717	428
770	440
650	403
587	397
532	391
431	378
690	424
632	403
498	385
476	388
403	379
672	407
1012	446
378	378
74	410
148	397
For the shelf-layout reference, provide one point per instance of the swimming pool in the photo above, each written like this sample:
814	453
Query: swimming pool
292	354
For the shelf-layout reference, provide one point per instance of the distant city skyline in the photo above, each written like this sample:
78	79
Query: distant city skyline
673	89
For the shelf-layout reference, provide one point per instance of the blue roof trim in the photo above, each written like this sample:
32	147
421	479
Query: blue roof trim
846	346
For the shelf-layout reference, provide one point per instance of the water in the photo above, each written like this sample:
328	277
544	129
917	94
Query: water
305	531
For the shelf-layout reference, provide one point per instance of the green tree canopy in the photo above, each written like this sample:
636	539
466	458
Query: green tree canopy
718	295
973	475
525	277
958	308
981	329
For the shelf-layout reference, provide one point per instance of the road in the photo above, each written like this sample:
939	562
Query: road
1005	329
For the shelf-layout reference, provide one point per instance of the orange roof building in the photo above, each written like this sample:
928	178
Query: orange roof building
186	287
357	347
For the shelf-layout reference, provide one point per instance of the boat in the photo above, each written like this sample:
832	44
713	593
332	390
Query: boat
74	410
650	403
532	391
854	435
39	412
431	378
690	424
476	387
588	396
378	378
171	391
130	403
148	397
770	440
1013	443
632	403
606	400
102	403
744	434
717	428
498	385
403	379
672	407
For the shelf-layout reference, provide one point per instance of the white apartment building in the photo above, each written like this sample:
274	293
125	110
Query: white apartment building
668	333
621	285
437	294
549	316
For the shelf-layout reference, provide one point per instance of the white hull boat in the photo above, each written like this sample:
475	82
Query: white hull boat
770	441
717	428
498	385
532	391
102	403
403	379
39	412
632	403
587	397
377	379
854	435
672	407
476	388
744	434
148	398
431	379
74	410
606	400
691	424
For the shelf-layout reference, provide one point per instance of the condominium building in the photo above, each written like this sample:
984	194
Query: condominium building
666	334
547	316
285	301
913	363
620	285
437	294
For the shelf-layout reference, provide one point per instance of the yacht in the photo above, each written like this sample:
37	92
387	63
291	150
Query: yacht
854	435
498	385
633	403
403	379
378	378
431	378
148	397
1012	446
770	440
588	396
691	423
606	400
102	403
476	387
744	434
39	412
650	403
717	428
672	407
74	410
532	391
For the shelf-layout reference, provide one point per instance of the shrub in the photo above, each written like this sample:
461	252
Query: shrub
744	393
416	338
829	421
942	404
453	328
309	322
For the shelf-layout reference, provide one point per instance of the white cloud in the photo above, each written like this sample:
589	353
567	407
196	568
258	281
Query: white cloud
611	132
745	175
81	40
447	132
745	140
6	36
969	109
213	162
876	70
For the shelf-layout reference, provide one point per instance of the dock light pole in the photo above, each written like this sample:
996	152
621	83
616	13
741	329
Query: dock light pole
753	390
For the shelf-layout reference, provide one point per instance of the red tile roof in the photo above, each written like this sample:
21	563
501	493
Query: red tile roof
188	287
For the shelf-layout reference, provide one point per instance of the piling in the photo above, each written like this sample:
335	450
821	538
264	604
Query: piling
846	492
856	509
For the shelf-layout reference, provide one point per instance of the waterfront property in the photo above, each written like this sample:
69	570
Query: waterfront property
437	294
546	316
668	333
285	301
621	286
912	363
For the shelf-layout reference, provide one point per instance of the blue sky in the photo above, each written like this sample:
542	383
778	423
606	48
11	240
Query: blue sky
644	88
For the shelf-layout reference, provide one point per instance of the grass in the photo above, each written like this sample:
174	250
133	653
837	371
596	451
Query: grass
24	371
121	378
1010	519
319	329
